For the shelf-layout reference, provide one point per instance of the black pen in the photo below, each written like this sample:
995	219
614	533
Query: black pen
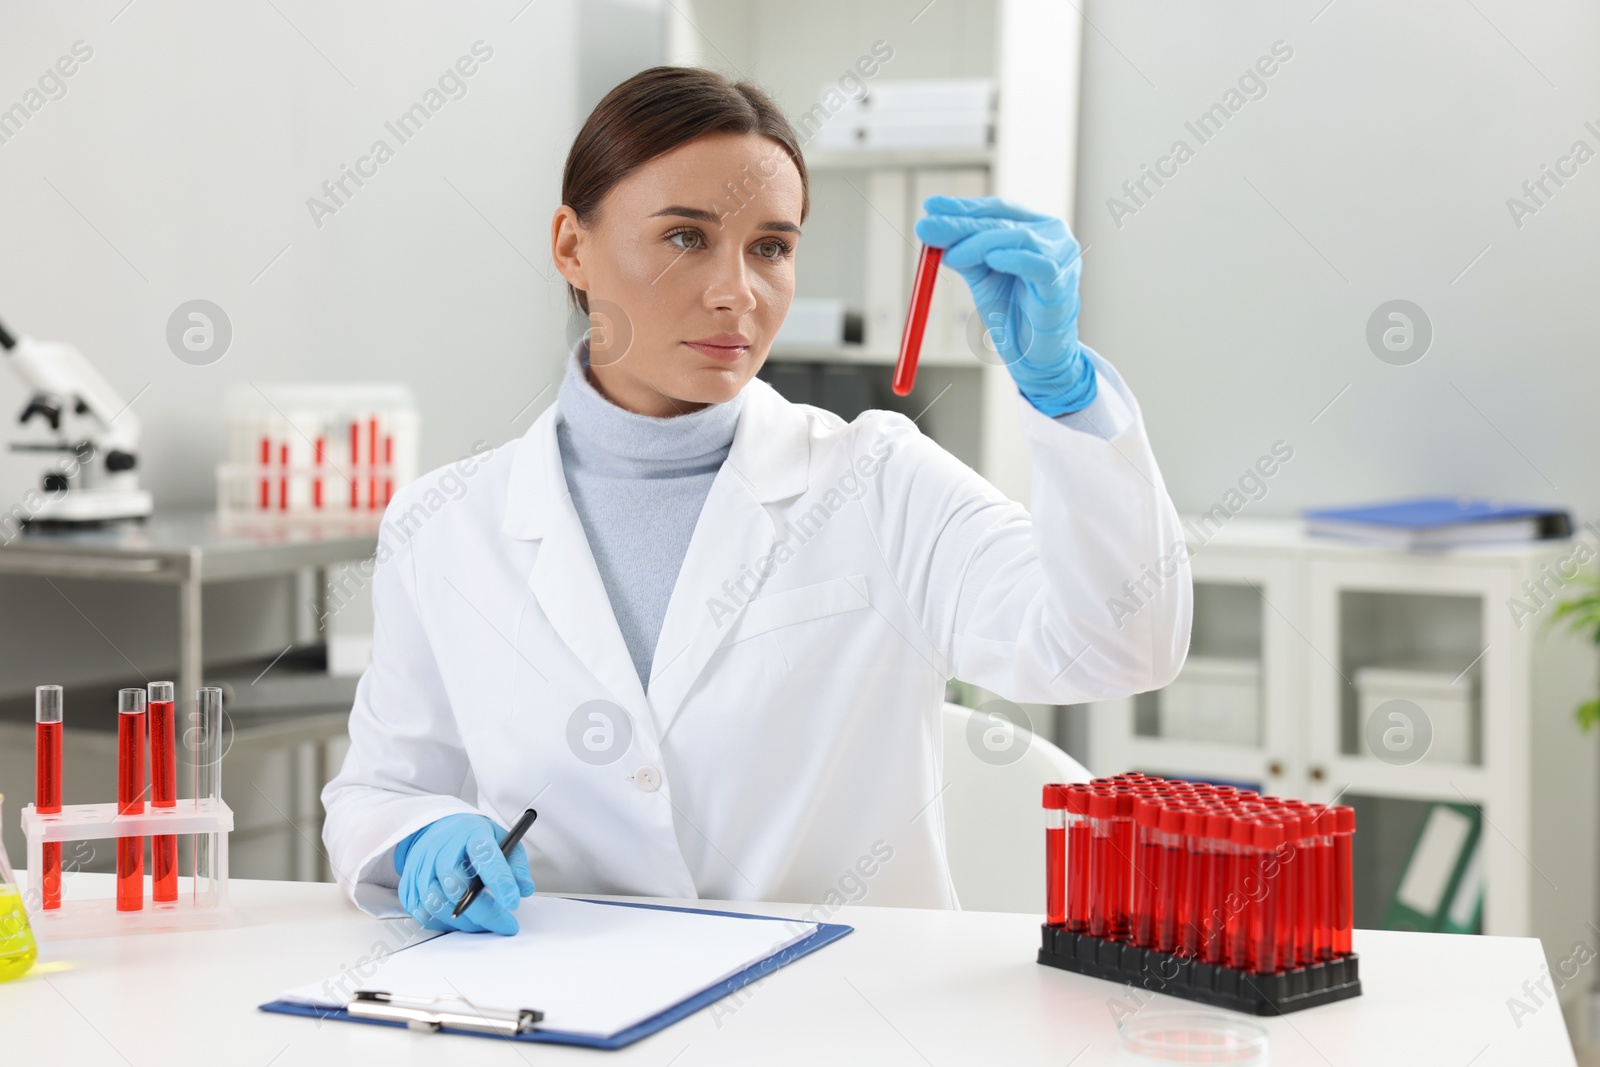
505	850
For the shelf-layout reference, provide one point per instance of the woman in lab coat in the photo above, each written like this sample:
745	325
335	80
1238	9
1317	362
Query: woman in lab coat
705	631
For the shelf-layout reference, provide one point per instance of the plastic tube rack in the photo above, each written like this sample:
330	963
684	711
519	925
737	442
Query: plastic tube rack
202	903
1206	892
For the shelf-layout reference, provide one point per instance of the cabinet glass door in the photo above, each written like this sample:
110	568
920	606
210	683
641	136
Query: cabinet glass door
1221	719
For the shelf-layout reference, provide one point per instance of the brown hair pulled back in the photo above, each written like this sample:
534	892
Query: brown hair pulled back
654	112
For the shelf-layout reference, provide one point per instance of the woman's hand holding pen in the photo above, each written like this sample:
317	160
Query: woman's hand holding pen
437	864
1022	267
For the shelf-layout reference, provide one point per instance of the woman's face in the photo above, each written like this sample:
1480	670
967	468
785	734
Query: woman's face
689	271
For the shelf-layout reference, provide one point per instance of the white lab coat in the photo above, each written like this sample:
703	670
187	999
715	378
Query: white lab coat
788	746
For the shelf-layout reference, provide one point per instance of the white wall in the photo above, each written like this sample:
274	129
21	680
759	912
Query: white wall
178	165
1391	142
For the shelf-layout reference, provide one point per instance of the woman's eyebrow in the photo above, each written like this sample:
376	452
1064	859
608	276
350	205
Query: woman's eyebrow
701	215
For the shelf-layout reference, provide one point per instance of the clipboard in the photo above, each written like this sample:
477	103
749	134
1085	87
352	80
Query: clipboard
384	1009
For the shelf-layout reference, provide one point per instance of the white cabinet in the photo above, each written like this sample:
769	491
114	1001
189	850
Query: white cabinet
1340	631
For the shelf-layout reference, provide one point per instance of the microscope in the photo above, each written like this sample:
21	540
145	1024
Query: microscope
94	437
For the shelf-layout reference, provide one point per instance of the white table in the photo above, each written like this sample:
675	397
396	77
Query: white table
907	987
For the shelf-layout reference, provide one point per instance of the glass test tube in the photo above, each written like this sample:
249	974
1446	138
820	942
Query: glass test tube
1197	872
1242	886
1327	822
1055	854
1288	876
47	718
1172	864
1146	869
163	791
1079	886
204	737
130	796
1215	889
1264	959
1305	885
1102	865
1122	863
1343	881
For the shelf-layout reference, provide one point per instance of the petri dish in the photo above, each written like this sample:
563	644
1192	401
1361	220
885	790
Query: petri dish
1159	1038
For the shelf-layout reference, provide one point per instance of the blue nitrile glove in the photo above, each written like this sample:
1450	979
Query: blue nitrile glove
1022	268
436	865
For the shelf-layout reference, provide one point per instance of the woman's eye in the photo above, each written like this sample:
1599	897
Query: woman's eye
695	234
773	249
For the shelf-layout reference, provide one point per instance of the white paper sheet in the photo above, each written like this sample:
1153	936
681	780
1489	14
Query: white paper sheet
594	969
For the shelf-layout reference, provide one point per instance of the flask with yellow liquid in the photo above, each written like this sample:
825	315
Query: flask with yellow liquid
17	948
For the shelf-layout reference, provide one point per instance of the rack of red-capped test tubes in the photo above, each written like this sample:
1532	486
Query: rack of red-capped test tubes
1208	892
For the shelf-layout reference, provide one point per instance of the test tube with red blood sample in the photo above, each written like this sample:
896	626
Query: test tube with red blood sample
130	796
48	713
1343	882
1079	886
905	368
1055	854
163	790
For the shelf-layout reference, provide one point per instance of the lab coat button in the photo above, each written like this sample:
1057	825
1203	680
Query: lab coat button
647	778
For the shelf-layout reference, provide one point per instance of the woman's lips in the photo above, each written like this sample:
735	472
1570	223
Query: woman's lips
726	353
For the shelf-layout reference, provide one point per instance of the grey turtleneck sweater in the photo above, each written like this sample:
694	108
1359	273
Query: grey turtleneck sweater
638	484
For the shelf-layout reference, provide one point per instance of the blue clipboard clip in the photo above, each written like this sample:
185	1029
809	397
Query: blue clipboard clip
430	1016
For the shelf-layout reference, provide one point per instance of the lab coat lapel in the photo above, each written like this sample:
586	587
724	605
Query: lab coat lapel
768	461
565	578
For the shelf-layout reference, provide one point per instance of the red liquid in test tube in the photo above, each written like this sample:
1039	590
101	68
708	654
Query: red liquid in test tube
283	477
1303	864
1055	854
1264	925
130	796
163	790
1102	865
1122	860
905	368
372	463
266	483
355	460
1213	891
48	716
1146	868
1197	873
1079	886
1343	881
388	462
316	483
1241	878
1327	821
1172	866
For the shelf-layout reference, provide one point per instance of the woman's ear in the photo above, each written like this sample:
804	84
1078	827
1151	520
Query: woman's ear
567	240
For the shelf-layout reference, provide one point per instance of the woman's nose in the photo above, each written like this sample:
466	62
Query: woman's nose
728	288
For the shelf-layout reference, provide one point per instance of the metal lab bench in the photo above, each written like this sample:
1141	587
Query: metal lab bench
187	550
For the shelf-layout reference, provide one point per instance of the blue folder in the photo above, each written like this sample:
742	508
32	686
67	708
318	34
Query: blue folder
826	933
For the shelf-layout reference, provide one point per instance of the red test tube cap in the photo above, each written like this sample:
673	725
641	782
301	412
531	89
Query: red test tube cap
1147	812
1055	796
1347	819
1266	834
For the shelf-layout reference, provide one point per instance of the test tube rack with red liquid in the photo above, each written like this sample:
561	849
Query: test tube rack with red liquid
62	837
1207	892
326	454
